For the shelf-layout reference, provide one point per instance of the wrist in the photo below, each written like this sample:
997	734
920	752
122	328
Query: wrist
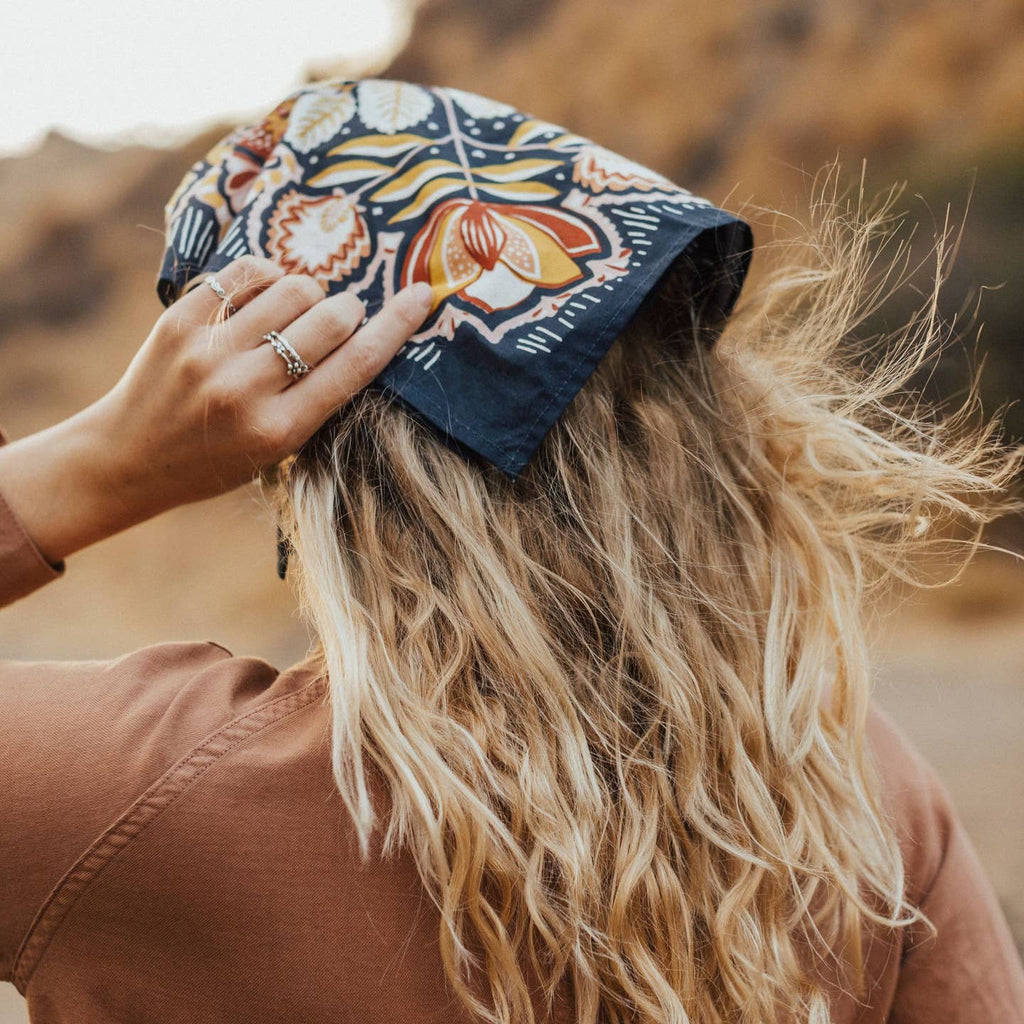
62	483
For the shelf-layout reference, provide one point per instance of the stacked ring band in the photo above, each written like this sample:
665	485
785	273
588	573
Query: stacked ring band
297	367
219	289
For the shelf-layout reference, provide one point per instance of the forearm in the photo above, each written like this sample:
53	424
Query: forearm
63	486
200	409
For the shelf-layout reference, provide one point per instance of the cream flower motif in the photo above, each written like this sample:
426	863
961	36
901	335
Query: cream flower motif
599	169
326	238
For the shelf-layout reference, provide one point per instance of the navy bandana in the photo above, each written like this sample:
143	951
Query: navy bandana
539	244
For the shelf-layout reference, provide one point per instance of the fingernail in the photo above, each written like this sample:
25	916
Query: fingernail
421	294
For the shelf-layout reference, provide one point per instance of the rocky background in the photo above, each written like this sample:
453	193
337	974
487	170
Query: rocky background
742	101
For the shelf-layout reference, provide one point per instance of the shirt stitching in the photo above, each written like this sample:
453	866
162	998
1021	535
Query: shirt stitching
157	799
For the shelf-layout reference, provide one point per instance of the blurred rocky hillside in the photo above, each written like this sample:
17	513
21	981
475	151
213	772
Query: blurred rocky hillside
747	100
742	101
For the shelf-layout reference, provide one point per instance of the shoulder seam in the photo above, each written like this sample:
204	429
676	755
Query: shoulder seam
142	813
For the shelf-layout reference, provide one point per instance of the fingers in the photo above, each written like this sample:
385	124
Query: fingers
351	366
274	309
314	335
242	280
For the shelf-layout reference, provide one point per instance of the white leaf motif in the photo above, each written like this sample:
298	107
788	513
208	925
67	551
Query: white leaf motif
479	106
316	118
390	107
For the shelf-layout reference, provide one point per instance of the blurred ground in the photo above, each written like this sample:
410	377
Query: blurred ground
738	101
950	669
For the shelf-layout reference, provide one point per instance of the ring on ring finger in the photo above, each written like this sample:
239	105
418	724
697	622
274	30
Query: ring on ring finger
312	336
296	365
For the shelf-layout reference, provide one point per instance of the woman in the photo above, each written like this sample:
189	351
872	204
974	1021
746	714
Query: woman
597	712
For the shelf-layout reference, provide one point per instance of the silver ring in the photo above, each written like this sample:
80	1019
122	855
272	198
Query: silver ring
219	289
297	367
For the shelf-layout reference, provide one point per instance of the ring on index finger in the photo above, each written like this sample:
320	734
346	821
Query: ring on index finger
221	293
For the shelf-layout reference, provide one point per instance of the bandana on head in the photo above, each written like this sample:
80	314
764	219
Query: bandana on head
538	243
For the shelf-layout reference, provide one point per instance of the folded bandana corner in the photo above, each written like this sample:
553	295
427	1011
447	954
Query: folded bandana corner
539	244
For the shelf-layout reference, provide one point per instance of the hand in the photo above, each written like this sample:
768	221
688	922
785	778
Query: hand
202	409
204	405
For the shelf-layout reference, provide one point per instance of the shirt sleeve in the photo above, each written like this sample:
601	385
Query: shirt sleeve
23	567
970	971
82	741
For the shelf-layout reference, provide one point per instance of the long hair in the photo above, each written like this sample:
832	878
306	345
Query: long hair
618	705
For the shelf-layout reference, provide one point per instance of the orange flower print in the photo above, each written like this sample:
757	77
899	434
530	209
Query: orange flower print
495	254
258	139
241	170
325	237
599	169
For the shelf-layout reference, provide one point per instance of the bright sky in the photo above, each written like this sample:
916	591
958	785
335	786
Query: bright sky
156	71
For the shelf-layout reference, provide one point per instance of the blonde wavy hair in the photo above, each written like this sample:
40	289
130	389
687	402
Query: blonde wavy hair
617	707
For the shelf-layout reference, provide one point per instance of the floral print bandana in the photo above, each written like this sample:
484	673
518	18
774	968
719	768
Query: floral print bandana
539	244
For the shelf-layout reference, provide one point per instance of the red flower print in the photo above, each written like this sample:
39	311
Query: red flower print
495	254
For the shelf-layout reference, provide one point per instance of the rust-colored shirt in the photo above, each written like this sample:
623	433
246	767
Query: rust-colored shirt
172	849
